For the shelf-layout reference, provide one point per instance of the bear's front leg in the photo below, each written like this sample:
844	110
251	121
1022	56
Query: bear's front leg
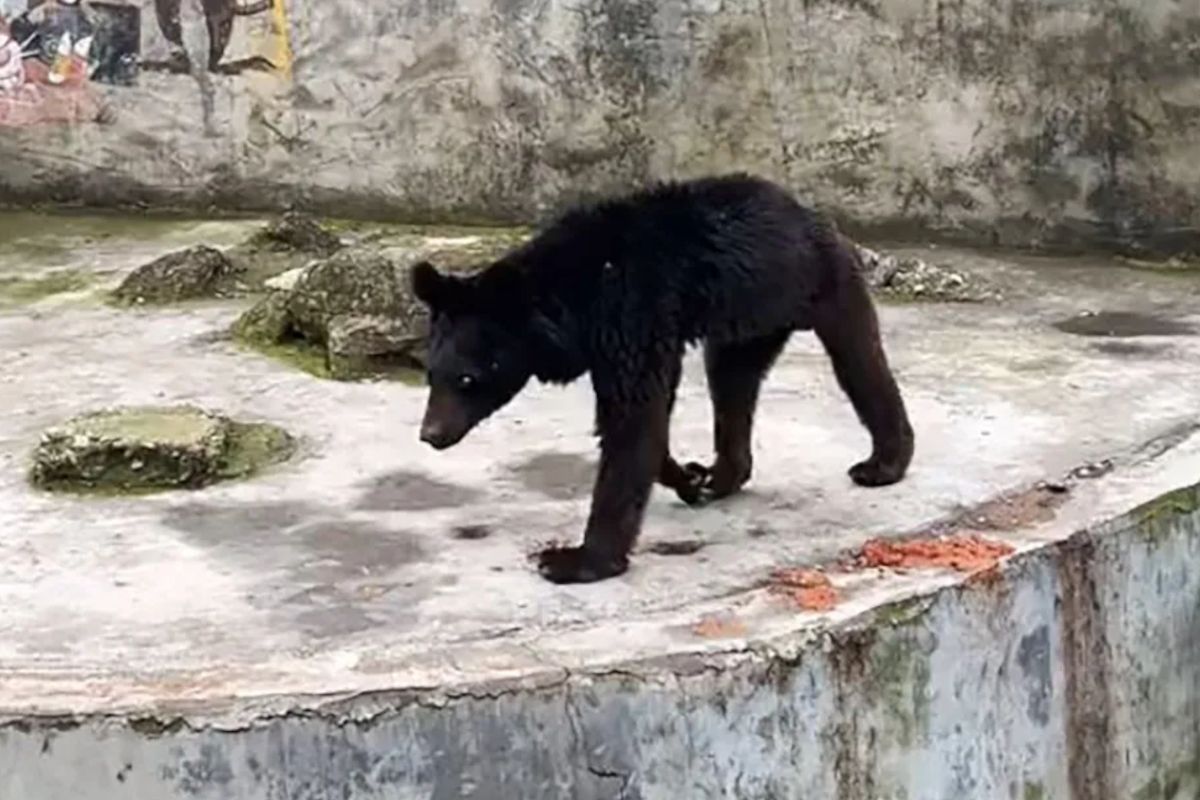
632	442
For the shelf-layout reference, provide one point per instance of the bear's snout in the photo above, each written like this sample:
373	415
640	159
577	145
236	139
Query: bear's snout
437	435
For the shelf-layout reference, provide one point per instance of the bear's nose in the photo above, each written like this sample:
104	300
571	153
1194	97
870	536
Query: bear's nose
434	434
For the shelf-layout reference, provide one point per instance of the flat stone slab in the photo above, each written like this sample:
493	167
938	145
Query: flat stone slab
376	582
147	448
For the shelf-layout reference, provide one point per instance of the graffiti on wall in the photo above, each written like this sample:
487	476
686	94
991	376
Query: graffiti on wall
66	61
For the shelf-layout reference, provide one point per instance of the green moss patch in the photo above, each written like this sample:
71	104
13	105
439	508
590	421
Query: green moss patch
21	290
146	449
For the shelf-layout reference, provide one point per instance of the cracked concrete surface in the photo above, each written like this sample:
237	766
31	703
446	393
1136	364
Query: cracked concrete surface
338	589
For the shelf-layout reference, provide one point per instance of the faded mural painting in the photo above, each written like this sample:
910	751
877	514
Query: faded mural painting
67	61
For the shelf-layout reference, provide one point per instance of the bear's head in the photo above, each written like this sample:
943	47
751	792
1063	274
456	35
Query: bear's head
486	341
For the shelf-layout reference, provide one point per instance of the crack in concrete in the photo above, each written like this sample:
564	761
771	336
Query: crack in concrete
579	743
764	19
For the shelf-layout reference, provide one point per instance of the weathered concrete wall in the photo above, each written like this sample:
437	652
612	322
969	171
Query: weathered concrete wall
1073	674
1020	121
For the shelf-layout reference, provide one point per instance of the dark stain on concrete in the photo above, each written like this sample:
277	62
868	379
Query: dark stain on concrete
849	659
207	772
471	532
1124	324
1131	349
1033	656
1087	672
561	476
325	610
345	550
244	524
675	547
406	490
308	542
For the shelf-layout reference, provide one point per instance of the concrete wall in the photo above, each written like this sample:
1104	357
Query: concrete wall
1073	674
1024	121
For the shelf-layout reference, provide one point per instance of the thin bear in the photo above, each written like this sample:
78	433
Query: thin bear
619	289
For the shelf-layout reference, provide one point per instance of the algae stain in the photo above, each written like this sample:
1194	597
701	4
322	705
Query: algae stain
1034	790
900	667
252	447
27	289
312	359
1174	783
297	354
903	612
1155	519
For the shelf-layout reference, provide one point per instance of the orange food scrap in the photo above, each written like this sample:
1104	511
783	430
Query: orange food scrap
809	589
958	552
719	626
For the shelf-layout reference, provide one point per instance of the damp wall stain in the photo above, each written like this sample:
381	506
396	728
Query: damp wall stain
1007	123
1072	673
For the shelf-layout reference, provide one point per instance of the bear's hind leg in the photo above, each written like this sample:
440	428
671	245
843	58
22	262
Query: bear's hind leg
848	327
735	374
687	482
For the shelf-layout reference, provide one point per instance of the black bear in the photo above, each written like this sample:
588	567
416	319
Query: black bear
619	288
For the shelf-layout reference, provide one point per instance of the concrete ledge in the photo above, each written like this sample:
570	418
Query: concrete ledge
1073	672
362	622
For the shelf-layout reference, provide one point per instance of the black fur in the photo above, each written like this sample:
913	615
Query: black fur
619	289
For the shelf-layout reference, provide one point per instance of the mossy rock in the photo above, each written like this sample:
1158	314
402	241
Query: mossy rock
296	231
192	274
913	280
266	322
353	283
347	317
373	346
153	448
286	244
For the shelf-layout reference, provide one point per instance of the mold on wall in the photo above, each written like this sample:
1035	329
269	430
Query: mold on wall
1032	122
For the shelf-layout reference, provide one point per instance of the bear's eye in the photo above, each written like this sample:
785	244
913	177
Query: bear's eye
466	381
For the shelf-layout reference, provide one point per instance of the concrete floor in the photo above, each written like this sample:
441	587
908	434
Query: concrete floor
348	570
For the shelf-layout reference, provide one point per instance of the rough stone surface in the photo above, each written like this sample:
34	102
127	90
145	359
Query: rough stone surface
916	279
351	282
295	231
283	247
266	321
1038	121
362	346
191	274
356	306
134	449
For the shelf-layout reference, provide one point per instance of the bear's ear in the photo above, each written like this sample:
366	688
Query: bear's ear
432	288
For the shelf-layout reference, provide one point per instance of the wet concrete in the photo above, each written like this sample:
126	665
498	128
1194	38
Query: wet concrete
559	476
334	603
1123	324
405	490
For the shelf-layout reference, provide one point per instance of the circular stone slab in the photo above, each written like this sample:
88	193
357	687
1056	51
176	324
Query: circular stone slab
139	449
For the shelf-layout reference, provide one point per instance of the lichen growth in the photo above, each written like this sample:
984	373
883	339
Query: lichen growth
1034	790
1155	519
1174	783
901	672
903	612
